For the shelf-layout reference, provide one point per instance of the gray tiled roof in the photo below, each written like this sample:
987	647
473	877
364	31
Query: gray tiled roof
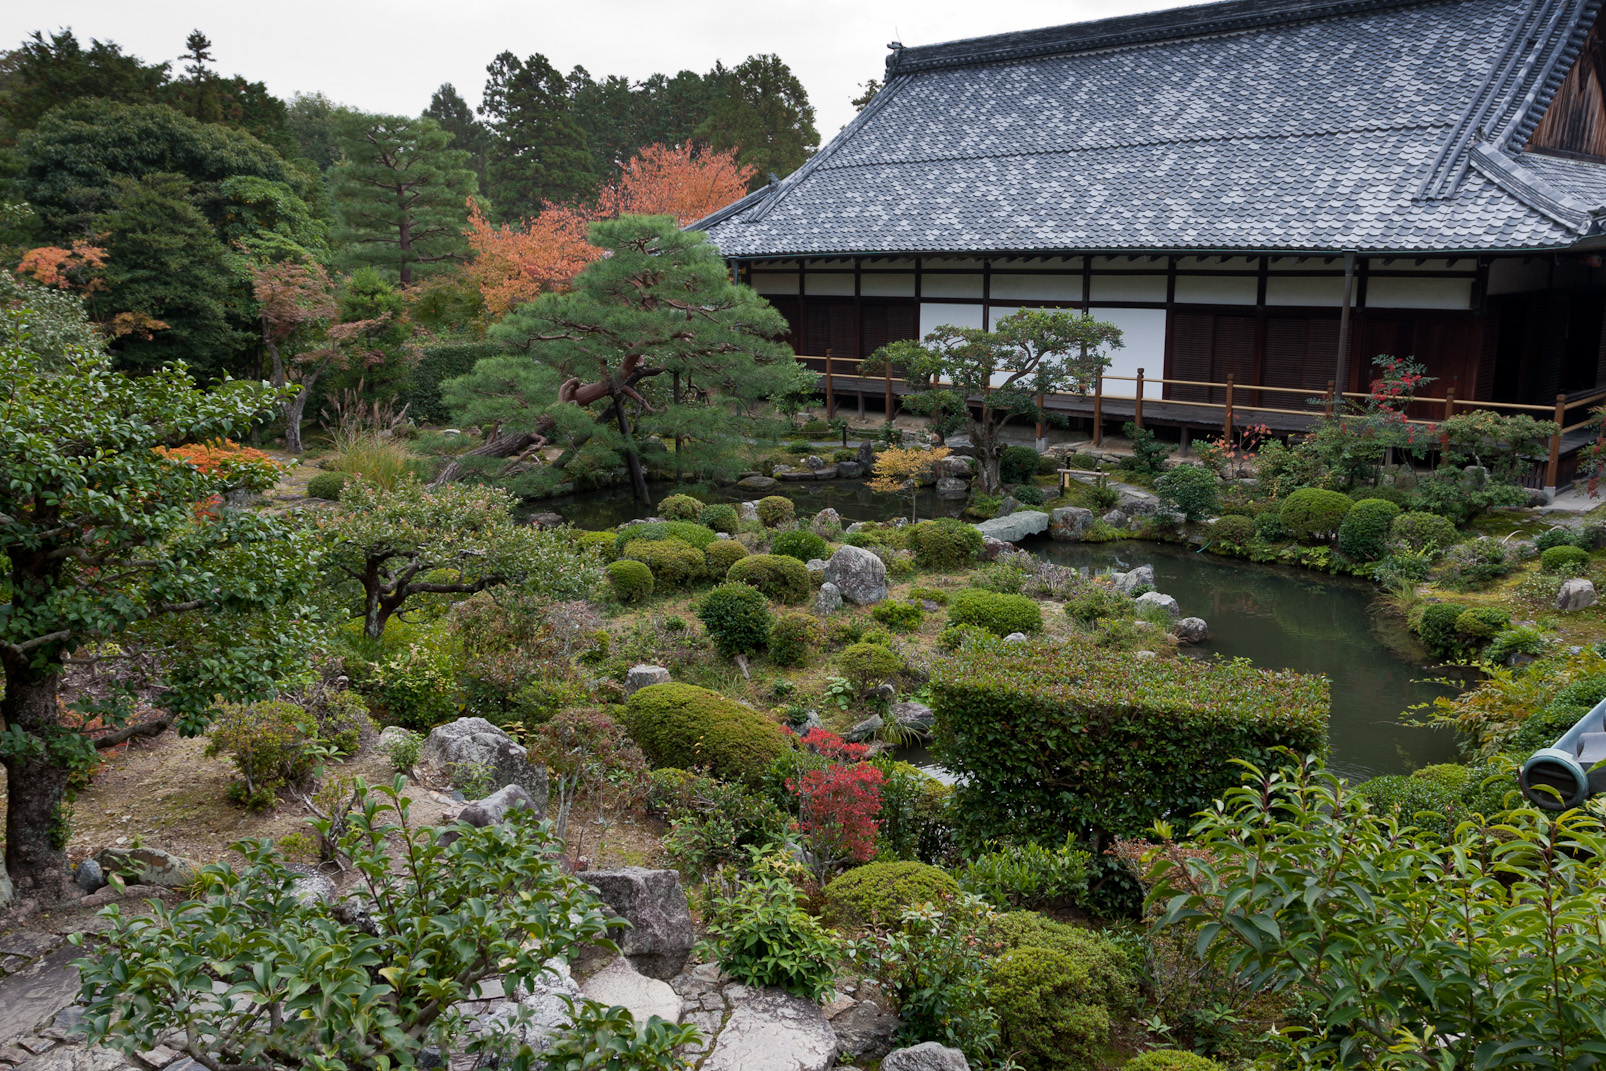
1386	125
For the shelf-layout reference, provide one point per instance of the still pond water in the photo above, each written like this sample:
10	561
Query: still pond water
1278	617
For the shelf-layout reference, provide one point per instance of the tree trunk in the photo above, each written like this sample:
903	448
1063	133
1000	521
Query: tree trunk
638	475
293	410
509	445
36	785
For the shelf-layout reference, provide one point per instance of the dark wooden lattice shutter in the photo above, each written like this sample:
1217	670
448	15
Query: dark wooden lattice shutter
1192	340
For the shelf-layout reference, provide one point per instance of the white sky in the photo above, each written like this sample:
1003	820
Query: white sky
389	56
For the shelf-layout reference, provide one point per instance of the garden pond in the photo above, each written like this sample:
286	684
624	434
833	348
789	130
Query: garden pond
1276	616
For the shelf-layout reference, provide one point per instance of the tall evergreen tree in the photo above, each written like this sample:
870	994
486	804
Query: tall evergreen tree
609	114
538	152
448	108
42	74
762	110
401	192
314	122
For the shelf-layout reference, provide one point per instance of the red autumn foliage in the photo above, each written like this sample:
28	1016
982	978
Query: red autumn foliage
839	802
77	268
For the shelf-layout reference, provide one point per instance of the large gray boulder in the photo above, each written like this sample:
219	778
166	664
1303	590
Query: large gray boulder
660	937
758	483
641	676
494	809
952	487
828	600
1575	594
1017	526
916	716
771	1030
619	983
927	1056
866	455
747	511
864	1029
148	866
1159	601
962	468
859	575
468	743
1129	582
864	730
849	470
1070	523
1191	630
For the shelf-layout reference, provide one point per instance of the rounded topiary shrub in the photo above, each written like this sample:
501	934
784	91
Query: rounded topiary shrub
1560	537
631	580
1028	495
1110	967
1050	1010
1194	490
721	517
1555	559
605	543
738	618
1364	533
1421	531
995	611
804	546
1312	513
774	511
1437	627
1481	623
793	637
781	578
719	557
1018	464
673	563
898	615
868	665
327	486
1232	530
1171	1060
685	531
680	508
877	894
691	728
944	544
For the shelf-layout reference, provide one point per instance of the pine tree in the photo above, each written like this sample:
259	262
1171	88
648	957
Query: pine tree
538	152
401	193
448	108
762	110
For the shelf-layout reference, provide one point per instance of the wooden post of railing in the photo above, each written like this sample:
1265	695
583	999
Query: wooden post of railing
830	396
1040	443
1327	399
1449	411
889	392
1226	417
1555	445
1137	406
1098	410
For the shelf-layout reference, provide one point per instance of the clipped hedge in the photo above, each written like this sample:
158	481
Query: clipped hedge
631	580
774	511
721	517
1232	530
719	557
1018	464
687	727
738	618
1312	513
1555	559
685	531
1111	970
945	543
1083	740
793	638
437	363
782	578
680	508
1364	532
672	561
995	611
1051	1013
1419	531
1171	1060
804	546
877	894
327	486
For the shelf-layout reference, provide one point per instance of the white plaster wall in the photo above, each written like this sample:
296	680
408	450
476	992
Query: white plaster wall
1216	289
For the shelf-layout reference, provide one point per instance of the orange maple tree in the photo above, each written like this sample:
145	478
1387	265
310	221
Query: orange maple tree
66	269
513	265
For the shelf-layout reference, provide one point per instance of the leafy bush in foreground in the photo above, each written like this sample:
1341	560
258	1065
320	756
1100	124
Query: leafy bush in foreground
761	937
945	543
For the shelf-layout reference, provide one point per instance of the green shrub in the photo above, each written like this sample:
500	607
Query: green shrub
1018	464
694	534
720	556
844	454
419	681
867	665
1233	531
680	508
1003	576
1098	603
1437	627
1556	559
1148	453
1050	1012
687	727
1171	1060
326	485
953	637
604	543
631	580
711	822
800	446
1116	742
1193	489
270	744
1026	874
799	544
404	749
782	578
1028	495
899	616
737	616
774	511
1109	965
1422	531
1477	562
996	612
673	563
877	894
761	937
936	595
915	823
721	517
1312	513
340	717
1269	526
1481	623
1364	532
1427	803
865	538
946	543
1560	537
793	638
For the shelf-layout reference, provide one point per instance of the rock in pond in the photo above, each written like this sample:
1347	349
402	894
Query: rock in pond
1191	630
864	730
915	716
1016	527
1070	523
952	487
1163	602
1127	583
849	470
758	483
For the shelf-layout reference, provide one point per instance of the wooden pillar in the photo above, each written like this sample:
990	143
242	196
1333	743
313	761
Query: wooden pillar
1137	406
1226	417
1327	399
1555	445
1449	411
1098	410
889	392
830	394
1040	442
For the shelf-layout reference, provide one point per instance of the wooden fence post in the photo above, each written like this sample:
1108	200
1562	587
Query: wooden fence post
1039	443
1449	411
889	392
1137	406
1327	399
1098	410
830	396
1226	418
1555	445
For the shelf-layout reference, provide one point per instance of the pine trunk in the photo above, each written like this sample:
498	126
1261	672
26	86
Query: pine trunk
36	786
638	475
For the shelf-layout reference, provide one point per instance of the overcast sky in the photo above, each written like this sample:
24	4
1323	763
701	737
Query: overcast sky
390	56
